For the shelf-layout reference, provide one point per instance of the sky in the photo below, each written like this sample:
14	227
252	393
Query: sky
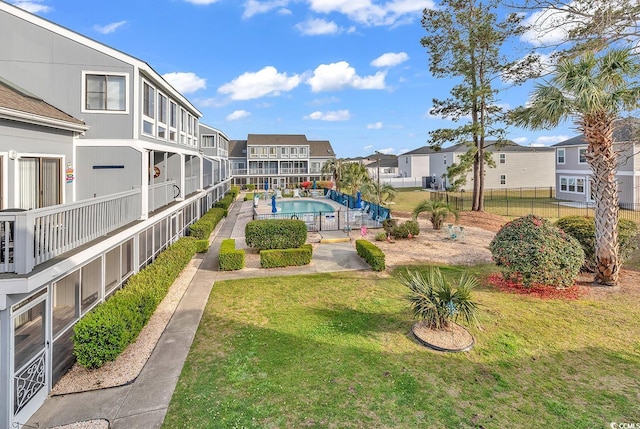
349	71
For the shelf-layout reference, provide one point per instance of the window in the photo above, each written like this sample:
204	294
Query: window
293	152
263	152
149	100
284	152
90	284
66	303
445	159
582	156
574	185
563	184
148	108
40	182
503	158
273	152
253	152
208	141
303	152
162	116
560	156
173	120
105	92
503	179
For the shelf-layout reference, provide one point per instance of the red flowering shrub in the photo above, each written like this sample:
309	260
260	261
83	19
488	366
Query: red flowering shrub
532	250
539	291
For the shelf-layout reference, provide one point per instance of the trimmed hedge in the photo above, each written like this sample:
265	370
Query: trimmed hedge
230	258
201	229
275	234
583	229
275	258
371	253
104	333
228	198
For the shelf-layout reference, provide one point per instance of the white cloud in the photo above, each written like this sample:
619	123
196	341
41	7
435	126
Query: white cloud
520	140
331	116
387	150
548	27
201	2
264	82
238	114
317	27
367	148
33	6
336	76
376	126
255	7
390	59
367	13
323	101
109	28
549	140
185	83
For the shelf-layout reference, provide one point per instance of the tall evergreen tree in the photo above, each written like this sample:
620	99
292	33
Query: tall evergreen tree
464	42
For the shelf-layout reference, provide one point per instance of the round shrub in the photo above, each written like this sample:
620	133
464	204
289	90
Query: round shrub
381	236
533	250
583	229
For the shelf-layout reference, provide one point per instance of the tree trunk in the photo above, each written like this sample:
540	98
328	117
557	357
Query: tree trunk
602	158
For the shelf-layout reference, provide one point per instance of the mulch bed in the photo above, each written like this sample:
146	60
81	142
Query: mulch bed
536	290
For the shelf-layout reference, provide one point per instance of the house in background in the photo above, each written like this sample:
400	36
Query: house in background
573	173
382	164
102	167
415	163
515	166
282	160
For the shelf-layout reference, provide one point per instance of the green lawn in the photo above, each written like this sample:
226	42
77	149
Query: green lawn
335	351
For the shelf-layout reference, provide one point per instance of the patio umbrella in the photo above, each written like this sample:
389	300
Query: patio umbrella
314	184
266	184
358	200
274	209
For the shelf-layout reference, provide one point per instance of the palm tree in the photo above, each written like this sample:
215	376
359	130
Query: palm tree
333	168
387	192
354	176
593	91
438	211
434	300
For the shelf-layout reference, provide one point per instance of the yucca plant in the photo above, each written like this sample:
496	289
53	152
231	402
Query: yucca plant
438	211
438	303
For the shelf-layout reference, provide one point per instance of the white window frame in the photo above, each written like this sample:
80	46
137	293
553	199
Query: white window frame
558	157
83	94
273	152
580	152
502	158
302	153
284	152
573	184
173	129
253	152
162	122
145	117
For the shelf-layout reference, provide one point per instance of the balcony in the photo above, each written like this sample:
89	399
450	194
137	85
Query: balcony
32	237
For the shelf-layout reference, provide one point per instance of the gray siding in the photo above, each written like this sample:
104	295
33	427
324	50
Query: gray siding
105	181
51	66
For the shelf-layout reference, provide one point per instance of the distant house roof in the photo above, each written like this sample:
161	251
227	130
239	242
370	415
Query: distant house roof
20	105
506	146
424	150
386	160
625	130
317	148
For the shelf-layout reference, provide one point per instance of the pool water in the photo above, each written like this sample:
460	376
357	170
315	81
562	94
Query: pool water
290	207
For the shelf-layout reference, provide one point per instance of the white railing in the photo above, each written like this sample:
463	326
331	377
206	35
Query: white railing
32	237
161	194
191	185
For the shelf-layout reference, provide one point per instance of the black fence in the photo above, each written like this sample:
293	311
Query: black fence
524	201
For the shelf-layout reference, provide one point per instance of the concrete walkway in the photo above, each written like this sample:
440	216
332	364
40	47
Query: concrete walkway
143	403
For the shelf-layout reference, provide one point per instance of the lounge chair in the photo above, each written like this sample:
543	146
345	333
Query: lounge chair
296	193
278	193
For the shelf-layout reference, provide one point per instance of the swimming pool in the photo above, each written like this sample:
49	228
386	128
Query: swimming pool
290	207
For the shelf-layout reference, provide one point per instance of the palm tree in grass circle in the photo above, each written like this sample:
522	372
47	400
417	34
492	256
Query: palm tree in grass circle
593	91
